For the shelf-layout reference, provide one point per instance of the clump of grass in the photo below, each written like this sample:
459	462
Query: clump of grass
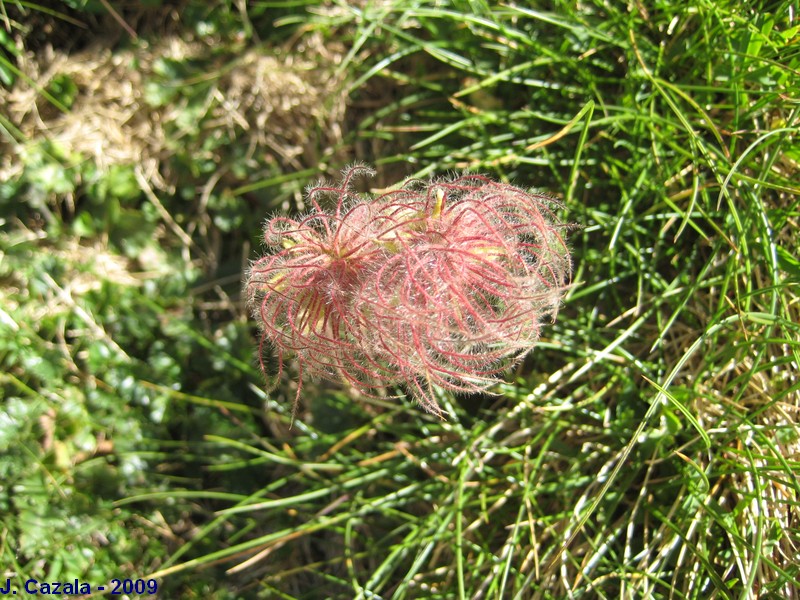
441	284
646	448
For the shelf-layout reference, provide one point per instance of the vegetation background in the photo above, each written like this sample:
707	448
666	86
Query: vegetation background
649	447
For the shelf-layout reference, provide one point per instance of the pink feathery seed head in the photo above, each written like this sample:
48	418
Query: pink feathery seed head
300	292
435	284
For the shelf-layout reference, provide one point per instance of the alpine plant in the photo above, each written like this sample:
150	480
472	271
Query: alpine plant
436	284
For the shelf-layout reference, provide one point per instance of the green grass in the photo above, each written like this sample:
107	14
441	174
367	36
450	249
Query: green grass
648	447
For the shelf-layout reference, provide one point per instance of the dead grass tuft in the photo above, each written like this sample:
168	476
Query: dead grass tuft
285	107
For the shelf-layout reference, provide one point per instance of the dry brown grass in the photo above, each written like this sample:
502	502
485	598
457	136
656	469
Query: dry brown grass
284	106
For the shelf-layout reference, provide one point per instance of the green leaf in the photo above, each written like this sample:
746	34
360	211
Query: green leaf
788	262
63	89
